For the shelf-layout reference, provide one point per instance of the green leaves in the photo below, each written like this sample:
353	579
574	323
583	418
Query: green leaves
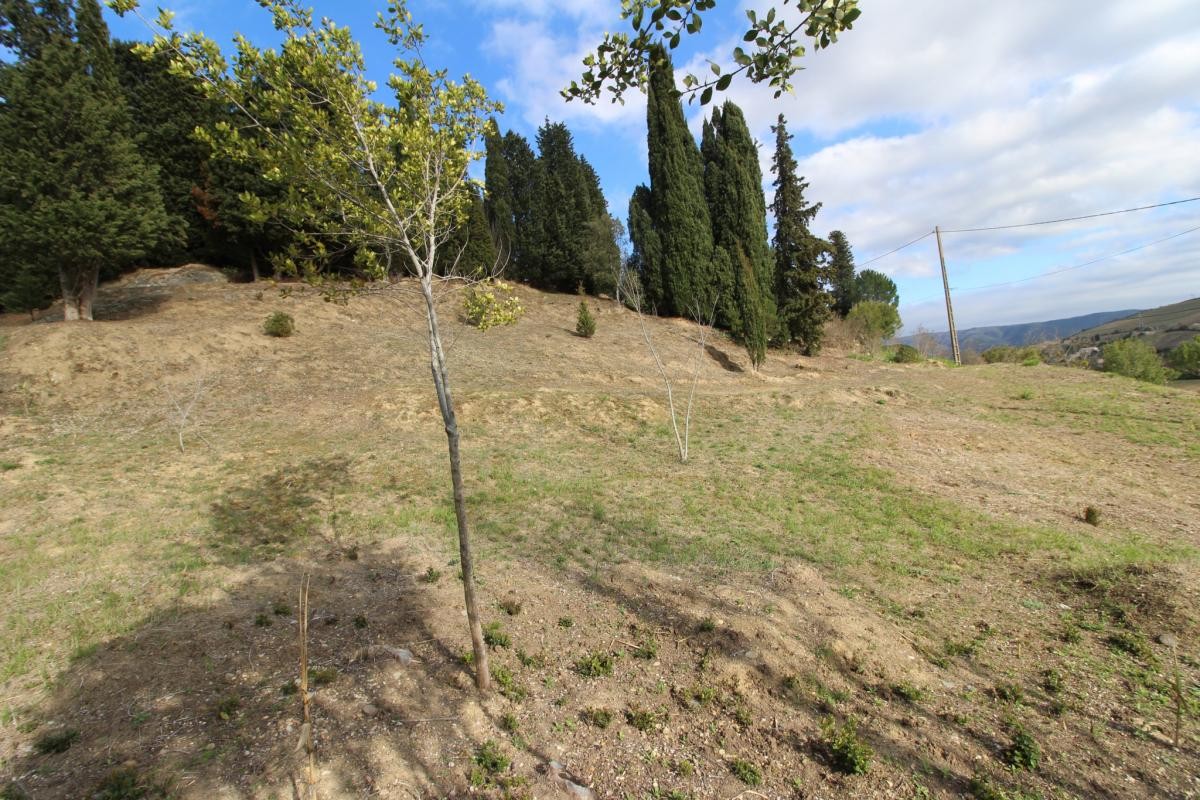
620	61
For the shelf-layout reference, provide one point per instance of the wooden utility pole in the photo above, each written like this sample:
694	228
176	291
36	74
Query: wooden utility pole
949	308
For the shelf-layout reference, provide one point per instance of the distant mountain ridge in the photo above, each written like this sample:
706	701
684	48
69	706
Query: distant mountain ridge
980	339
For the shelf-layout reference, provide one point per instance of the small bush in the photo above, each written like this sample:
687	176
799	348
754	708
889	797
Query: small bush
746	772
535	661
847	752
566	622
907	692
873	322
509	723
1091	515
492	304
1185	359
1134	358
431	575
1009	692
597	717
491	759
280	325
585	323
596	665
1023	752
322	676
907	354
58	741
510	606
1052	681
123	783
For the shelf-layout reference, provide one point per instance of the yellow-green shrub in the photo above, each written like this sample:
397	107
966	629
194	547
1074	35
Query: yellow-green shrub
491	304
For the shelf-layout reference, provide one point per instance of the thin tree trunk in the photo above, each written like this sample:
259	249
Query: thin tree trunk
78	290
254	266
441	383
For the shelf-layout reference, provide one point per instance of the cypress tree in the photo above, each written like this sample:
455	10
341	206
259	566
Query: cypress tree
646	258
802	300
75	195
841	274
733	187
469	250
752	308
499	196
677	208
523	180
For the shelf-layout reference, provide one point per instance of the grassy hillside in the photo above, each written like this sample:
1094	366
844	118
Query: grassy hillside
901	546
1165	327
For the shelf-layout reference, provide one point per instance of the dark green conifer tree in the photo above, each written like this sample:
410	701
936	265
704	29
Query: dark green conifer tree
165	110
75	195
677	206
799	280
733	187
753	305
499	192
841	274
469	250
523	180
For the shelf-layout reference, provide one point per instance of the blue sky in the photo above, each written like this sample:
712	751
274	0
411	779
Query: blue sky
962	115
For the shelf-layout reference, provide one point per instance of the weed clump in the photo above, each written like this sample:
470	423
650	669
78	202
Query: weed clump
646	649
907	692
1091	515
431	575
360	621
596	665
746	772
1009	692
585	323
507	683
644	719
124	783
58	741
494	635
1130	644
279	325
847	752
536	661
322	676
510	607
597	717
1023	752
509	723
1052	681
490	763
906	354
707	625
566	622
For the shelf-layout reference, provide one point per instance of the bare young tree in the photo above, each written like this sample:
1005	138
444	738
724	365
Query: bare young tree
184	405
398	173
681	418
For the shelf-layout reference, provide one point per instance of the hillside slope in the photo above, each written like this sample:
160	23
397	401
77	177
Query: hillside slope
899	545
1166	327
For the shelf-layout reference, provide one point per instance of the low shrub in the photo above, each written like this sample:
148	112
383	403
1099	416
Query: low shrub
1007	354
280	325
1134	358
746	772
596	665
1023	752
847	752
1185	359
907	354
491	304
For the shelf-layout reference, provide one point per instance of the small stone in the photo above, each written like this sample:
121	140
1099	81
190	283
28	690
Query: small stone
1167	640
369	710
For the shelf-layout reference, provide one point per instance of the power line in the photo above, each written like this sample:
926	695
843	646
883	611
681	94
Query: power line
1084	264
896	250
1067	219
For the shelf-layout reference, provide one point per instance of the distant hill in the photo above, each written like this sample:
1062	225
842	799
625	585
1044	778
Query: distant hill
980	339
1166	327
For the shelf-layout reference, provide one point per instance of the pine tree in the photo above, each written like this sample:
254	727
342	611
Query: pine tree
733	187
645	261
799	291
841	274
75	195
469	250
677	207
875	286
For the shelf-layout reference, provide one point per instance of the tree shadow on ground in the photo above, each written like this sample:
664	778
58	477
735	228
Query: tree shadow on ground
201	701
722	358
264	518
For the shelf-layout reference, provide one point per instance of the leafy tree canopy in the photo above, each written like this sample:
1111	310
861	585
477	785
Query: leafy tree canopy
877	287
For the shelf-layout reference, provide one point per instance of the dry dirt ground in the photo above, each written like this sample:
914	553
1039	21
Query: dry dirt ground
895	547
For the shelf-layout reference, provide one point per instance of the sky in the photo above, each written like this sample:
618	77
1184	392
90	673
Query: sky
963	114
